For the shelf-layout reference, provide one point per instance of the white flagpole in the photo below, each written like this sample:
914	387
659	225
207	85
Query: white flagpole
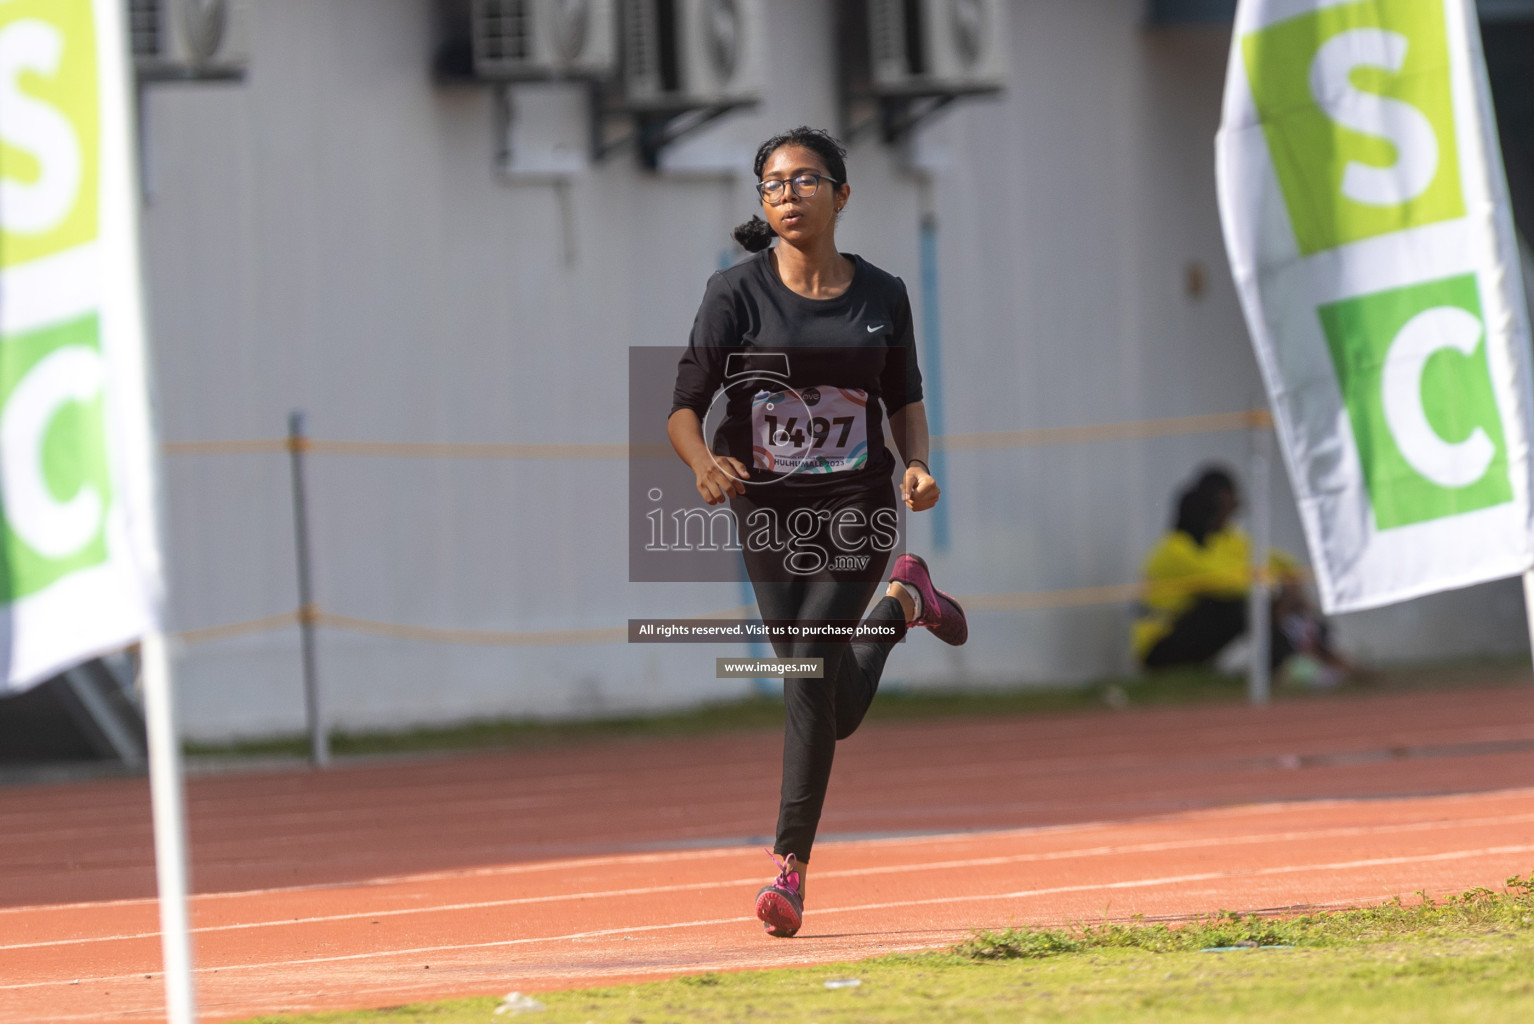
166	793
166	789
1528	605
1526	272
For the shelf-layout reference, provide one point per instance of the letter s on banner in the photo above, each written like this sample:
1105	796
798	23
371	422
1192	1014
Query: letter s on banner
38	130
1406	127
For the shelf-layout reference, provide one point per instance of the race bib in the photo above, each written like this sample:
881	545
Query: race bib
809	430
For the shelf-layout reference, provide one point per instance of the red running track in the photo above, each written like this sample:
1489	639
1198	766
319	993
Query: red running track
385	882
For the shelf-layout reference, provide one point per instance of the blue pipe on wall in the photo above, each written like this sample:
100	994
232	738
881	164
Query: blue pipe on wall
932	370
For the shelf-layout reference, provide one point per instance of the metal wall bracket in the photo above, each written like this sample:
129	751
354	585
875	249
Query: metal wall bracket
649	131
895	118
534	166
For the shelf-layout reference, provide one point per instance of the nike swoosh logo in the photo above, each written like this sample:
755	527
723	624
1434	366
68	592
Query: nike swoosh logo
875	327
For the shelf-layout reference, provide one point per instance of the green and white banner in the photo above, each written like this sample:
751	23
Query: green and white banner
79	565
1366	216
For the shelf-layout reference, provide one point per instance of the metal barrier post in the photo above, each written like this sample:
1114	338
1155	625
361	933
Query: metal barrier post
319	740
1259	608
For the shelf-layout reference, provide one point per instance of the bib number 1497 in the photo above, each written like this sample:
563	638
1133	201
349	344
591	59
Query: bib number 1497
810	430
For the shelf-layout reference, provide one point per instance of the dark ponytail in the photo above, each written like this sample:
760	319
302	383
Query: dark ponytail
756	234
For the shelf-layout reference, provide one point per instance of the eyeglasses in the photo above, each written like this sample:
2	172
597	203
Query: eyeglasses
804	185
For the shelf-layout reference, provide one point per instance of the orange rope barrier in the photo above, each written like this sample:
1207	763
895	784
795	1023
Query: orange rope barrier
481	637
415	450
1116	593
262	447
266	624
1180	425
431	634
1210	424
447	450
1037	600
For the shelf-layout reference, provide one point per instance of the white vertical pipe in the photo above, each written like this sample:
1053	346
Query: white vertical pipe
1528	604
1259	610
165	790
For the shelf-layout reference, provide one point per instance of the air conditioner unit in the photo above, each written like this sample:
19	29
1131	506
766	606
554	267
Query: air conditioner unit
937	47
189	38
688	54
541	39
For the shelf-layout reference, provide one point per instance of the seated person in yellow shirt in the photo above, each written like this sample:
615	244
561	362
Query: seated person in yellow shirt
1194	603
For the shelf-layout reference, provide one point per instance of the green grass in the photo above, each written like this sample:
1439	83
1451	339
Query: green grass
1460	959
1173	687
1473	911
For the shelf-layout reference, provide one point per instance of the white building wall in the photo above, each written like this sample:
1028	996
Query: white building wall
331	236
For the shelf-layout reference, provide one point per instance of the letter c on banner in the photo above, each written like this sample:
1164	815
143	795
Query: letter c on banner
38	129
1433	330
53	528
1396	121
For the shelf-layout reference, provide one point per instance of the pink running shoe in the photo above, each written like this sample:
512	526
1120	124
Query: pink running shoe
939	612
780	906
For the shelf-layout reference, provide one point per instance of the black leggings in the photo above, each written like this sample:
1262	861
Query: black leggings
818	712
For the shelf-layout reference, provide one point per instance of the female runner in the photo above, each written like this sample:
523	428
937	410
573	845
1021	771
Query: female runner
806	342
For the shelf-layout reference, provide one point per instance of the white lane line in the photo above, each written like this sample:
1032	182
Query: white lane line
387	880
443	908
742	961
427	989
1238	810
1204	876
1020	858
308	961
1144	883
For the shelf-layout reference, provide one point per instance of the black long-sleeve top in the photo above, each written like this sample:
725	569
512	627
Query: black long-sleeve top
753	336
